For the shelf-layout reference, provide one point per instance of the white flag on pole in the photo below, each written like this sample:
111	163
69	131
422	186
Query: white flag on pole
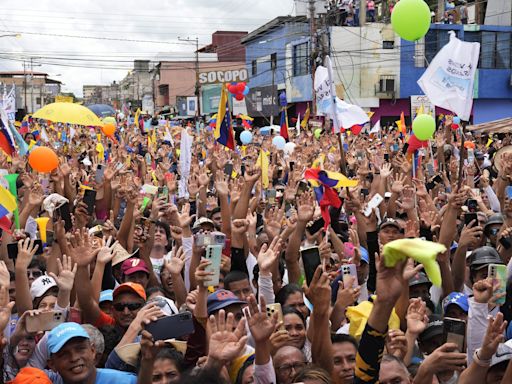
448	80
297	127
185	162
376	128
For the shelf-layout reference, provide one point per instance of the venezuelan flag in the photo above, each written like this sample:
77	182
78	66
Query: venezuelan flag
6	139
329	179
7	202
223	127
284	124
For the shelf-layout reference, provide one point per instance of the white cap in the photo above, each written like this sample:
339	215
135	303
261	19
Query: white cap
41	285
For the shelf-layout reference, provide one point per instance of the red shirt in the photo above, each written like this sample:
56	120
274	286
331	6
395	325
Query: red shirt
104	319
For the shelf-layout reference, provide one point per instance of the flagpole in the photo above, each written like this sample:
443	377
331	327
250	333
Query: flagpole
462	154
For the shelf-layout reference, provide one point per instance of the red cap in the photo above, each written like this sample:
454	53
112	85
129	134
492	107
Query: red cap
130	287
133	265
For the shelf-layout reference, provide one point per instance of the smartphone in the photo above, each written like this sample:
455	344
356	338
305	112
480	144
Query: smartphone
365	192
405	148
347	271
372	204
12	249
311	260
119	166
395	147
202	239
228	170
430	169
386	156
64	214
147	157
302	187
454	331
275	308
506	242
218	238
90	200
437	179
292	165
164	192
149	189
472	205
44	321
469	217
316	226
360	155
171	327
499	272
100	171
271	196
213	253
242	169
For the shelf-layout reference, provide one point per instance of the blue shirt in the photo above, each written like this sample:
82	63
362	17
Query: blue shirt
103	376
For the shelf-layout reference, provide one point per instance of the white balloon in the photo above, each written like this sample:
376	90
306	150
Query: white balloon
279	142
289	148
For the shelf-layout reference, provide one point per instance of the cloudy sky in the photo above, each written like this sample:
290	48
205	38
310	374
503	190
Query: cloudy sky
96	41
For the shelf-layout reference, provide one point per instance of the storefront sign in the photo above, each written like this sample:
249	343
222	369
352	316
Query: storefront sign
232	75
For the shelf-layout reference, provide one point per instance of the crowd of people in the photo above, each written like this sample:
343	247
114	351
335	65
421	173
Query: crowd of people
208	275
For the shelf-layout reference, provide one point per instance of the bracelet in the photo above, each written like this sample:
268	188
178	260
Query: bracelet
478	361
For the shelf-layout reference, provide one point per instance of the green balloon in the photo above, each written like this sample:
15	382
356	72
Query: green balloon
411	19
423	127
317	133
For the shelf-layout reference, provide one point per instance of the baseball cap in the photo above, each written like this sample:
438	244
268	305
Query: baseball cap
120	254
365	256
504	353
222	299
434	328
201	221
106	295
130	287
30	375
41	285
419	278
133	265
61	334
457	298
390	222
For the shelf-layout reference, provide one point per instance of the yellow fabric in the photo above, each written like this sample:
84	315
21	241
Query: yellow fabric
422	251
101	151
236	365
263	163
70	113
358	316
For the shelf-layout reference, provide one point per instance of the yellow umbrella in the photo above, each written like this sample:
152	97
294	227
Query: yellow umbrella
68	113
109	120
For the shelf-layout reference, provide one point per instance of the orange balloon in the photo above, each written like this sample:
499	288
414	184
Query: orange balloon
43	159
469	144
109	129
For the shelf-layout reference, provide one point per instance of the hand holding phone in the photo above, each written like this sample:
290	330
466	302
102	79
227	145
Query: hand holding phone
44	321
214	255
90	200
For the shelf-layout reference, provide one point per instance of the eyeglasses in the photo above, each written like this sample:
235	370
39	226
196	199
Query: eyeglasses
34	274
119	307
286	369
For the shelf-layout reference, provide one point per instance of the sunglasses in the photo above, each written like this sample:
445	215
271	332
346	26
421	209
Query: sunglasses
119	307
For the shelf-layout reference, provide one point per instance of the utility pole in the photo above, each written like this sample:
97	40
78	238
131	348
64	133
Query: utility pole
25	85
362	13
273	65
198	86
31	85
314	52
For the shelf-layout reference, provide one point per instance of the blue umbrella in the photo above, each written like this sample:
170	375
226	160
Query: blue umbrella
102	110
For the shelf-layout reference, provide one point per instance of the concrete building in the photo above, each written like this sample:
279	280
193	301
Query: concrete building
33	89
278	59
102	94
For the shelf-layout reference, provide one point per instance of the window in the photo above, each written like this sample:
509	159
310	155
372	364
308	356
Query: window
254	64
495	48
163	90
300	59
435	39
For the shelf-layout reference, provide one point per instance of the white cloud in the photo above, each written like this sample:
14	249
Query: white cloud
108	60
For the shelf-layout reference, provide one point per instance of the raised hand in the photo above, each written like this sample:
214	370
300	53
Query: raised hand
319	291
260	325
226	341
396	343
148	347
6	307
26	251
305	207
470	235
184	218
80	248
175	265
67	270
269	255
221	184
106	252
417	318
4	274
483	290
398	183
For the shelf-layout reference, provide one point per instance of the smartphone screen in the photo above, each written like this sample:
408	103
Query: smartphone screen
316	226
65	214
90	200
508	192
469	217
311	261
171	327
228	169
499	274
12	249
455	332
292	165
472	205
